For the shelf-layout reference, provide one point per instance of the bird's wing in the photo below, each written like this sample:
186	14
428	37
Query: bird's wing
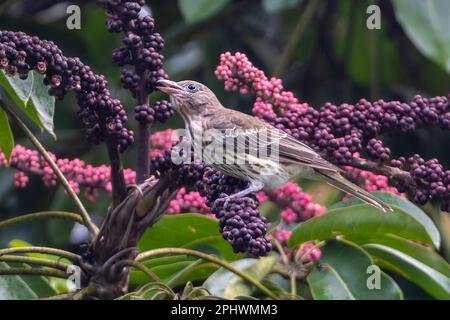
256	136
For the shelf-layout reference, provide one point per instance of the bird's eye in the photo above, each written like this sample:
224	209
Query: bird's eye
191	87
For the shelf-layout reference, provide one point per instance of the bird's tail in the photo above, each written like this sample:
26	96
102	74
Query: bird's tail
338	181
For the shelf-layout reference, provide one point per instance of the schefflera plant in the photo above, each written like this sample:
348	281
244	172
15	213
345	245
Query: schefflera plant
319	252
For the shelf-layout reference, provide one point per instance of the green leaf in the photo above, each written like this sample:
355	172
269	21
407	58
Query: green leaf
431	280
407	207
6	136
326	284
197	10
426	24
32	97
226	284
417	251
193	231
189	230
43	103
272	6
359	221
40	285
14	287
351	264
19	90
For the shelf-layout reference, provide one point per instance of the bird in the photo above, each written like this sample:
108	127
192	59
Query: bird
245	147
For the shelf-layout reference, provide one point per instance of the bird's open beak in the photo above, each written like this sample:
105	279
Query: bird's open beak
169	87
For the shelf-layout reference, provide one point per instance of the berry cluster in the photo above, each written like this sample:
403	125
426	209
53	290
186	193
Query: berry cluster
341	133
163	110
103	115
141	49
241	223
77	172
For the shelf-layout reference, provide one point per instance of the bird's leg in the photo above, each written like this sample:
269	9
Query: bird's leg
253	186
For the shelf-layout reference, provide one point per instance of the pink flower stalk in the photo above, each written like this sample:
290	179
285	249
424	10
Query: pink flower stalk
186	202
20	179
161	141
371	181
299	205
78	173
282	235
309	253
239	73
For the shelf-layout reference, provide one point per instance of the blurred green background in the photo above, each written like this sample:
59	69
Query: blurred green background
322	50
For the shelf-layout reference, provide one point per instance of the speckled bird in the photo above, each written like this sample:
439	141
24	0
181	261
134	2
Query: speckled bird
222	129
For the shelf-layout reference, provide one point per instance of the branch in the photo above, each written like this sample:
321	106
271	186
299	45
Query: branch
84	214
43	250
141	267
34	272
119	189
393	173
39	261
41	215
207	257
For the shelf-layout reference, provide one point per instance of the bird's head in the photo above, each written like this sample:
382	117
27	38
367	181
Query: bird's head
189	97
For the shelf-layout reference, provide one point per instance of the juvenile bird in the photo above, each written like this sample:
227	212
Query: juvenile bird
247	148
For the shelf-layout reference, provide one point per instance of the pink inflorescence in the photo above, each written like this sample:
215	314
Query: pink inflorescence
309	252
342	132
281	234
298	205
78	173
186	202
161	141
238	73
371	181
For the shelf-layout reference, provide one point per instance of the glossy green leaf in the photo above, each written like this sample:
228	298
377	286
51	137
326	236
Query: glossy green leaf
197	10
358	221
352	265
31	96
168	271
21	287
426	24
417	251
326	284
226	284
407	207
6	135
19	90
40	285
189	230
431	280
14	287
43	103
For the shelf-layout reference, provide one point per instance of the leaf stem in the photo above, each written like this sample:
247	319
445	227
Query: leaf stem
38	261
141	267
34	272
41	215
84	214
207	257
183	272
44	250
